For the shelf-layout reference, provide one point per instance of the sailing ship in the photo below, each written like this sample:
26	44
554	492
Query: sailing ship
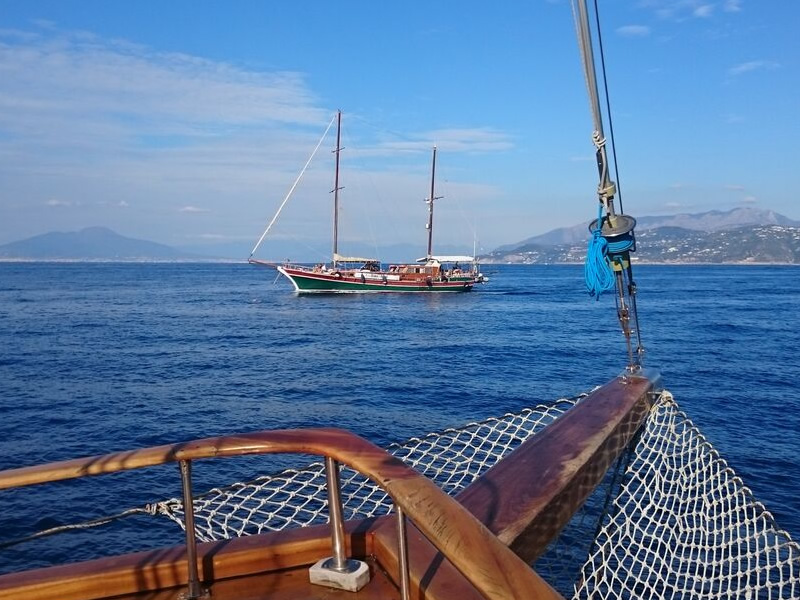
689	527
352	274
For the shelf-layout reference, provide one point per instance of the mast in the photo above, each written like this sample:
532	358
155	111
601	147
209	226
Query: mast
336	188
613	235
606	189
430	200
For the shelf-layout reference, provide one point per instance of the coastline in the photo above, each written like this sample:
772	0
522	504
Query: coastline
655	263
229	261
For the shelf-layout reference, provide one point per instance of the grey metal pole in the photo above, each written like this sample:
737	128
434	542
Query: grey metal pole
339	562
194	590
607	188
430	205
402	547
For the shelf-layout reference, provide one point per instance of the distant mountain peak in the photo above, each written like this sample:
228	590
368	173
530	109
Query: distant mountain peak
717	220
90	243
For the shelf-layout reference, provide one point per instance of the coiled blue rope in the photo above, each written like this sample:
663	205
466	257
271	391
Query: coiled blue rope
597	271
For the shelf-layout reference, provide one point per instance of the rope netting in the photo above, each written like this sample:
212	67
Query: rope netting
683	525
453	458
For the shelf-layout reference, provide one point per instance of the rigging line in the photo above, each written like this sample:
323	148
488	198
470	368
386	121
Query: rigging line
150	509
294	185
608	105
460	208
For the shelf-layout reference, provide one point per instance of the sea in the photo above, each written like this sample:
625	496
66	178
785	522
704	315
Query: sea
104	357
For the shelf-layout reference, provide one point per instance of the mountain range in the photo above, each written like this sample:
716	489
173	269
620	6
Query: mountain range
714	220
743	235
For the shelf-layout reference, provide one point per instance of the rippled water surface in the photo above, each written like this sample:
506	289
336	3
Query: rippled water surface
96	358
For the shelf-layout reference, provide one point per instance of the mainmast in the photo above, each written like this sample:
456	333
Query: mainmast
430	200
613	237
336	189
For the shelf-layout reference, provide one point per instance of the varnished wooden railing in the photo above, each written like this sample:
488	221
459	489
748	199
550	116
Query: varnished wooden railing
554	472
530	495
490	566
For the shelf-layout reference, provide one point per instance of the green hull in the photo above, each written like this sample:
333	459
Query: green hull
314	283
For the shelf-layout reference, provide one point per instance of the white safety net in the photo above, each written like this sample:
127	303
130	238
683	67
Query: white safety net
453	458
683	525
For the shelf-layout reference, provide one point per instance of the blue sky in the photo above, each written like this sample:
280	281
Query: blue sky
187	122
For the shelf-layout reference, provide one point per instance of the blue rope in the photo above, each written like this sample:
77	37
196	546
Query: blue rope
597	272
620	246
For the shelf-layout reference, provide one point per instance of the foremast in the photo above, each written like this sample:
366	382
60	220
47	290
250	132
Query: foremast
608	263
429	201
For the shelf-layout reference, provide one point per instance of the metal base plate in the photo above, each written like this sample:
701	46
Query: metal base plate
354	577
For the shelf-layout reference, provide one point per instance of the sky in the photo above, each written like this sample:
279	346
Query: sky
187	123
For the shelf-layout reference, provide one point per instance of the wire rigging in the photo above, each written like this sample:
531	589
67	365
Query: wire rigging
291	190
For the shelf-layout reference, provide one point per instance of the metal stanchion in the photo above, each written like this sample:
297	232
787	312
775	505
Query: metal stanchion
339	560
338	571
402	552
194	591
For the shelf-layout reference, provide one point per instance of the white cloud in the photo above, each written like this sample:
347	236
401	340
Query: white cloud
732	118
734	187
752	65
128	88
193	209
633	31
681	10
55	202
703	11
732	5
458	140
749	200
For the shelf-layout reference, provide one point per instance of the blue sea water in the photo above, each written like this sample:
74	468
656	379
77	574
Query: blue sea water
100	357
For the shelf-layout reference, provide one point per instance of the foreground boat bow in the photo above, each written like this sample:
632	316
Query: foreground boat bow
455	547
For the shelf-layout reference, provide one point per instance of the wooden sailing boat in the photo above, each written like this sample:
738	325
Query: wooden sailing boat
351	274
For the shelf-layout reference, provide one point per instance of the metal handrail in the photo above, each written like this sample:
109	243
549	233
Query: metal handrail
489	565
